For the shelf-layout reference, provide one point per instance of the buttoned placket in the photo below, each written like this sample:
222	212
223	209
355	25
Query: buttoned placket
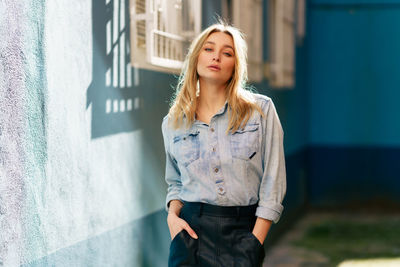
215	161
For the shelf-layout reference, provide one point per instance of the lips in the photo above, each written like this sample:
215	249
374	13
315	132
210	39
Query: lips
214	67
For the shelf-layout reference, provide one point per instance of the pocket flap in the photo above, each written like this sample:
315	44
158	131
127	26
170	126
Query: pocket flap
185	135
247	128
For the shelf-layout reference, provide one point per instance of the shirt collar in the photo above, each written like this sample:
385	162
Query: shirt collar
221	111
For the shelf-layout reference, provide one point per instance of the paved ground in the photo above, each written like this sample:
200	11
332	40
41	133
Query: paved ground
285	254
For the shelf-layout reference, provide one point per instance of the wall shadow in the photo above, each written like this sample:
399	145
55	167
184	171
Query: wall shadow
114	93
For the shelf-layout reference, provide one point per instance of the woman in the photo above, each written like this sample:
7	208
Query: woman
225	165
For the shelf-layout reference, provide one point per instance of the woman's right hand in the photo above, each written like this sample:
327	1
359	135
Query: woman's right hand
176	225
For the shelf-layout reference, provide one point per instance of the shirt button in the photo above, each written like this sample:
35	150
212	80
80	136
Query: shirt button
213	149
212	129
221	190
216	170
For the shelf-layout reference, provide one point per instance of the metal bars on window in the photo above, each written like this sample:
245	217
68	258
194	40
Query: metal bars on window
162	31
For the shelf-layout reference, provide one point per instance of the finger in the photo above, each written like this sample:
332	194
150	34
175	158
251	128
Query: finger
190	231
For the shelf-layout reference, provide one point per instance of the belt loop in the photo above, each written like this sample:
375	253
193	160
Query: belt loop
201	209
237	213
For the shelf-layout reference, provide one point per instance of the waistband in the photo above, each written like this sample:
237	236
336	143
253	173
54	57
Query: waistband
222	211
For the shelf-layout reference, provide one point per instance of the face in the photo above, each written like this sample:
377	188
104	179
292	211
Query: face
216	60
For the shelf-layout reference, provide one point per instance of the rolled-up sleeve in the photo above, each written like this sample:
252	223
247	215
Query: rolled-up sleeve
273	183
172	173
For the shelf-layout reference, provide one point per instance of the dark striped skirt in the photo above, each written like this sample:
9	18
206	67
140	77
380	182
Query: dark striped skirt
225	237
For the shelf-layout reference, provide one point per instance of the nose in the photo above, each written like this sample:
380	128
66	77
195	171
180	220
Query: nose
216	57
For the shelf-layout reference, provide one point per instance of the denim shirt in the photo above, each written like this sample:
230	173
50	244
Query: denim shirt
205	164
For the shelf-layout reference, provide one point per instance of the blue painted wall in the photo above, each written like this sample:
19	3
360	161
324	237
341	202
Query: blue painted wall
353	78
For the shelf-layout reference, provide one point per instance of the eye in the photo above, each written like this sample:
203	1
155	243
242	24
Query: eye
208	49
227	54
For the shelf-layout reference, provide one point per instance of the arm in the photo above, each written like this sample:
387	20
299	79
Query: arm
175	207
273	183
172	173
173	179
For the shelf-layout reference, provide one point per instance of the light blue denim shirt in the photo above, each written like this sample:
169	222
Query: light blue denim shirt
205	164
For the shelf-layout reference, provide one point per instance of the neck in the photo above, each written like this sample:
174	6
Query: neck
212	96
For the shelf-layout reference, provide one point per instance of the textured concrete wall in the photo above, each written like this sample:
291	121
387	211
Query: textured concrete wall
63	184
12	130
23	123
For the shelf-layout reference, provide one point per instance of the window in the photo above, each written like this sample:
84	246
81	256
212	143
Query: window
280	69
248	17
161	32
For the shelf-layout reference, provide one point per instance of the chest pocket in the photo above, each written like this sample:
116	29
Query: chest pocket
244	142
187	147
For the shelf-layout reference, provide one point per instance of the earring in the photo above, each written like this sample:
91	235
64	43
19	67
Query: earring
197	88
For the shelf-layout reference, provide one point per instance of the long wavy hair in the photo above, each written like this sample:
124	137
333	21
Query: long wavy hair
241	103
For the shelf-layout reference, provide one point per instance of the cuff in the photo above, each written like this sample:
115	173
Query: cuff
270	211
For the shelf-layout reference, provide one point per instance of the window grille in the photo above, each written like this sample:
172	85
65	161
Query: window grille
162	31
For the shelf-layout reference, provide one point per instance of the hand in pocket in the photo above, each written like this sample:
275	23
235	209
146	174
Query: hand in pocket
176	225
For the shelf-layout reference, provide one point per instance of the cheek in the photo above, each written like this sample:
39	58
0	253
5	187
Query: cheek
200	61
230	66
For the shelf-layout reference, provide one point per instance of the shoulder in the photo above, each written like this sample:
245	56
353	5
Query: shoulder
268	108
259	98
263	101
165	119
165	124
168	129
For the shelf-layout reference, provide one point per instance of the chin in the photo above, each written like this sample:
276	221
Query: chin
219	81
215	78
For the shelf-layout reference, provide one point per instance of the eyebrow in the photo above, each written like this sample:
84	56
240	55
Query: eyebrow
224	45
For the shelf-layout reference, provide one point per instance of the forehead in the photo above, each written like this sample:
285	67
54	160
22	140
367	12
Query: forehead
220	38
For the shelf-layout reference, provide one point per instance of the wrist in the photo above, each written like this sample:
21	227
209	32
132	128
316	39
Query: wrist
174	207
172	215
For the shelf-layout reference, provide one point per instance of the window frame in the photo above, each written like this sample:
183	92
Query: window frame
281	66
248	17
146	57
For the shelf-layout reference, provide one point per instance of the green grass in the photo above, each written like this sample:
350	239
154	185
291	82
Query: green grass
341	240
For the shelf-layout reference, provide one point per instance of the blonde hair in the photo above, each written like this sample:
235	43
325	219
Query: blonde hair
240	101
